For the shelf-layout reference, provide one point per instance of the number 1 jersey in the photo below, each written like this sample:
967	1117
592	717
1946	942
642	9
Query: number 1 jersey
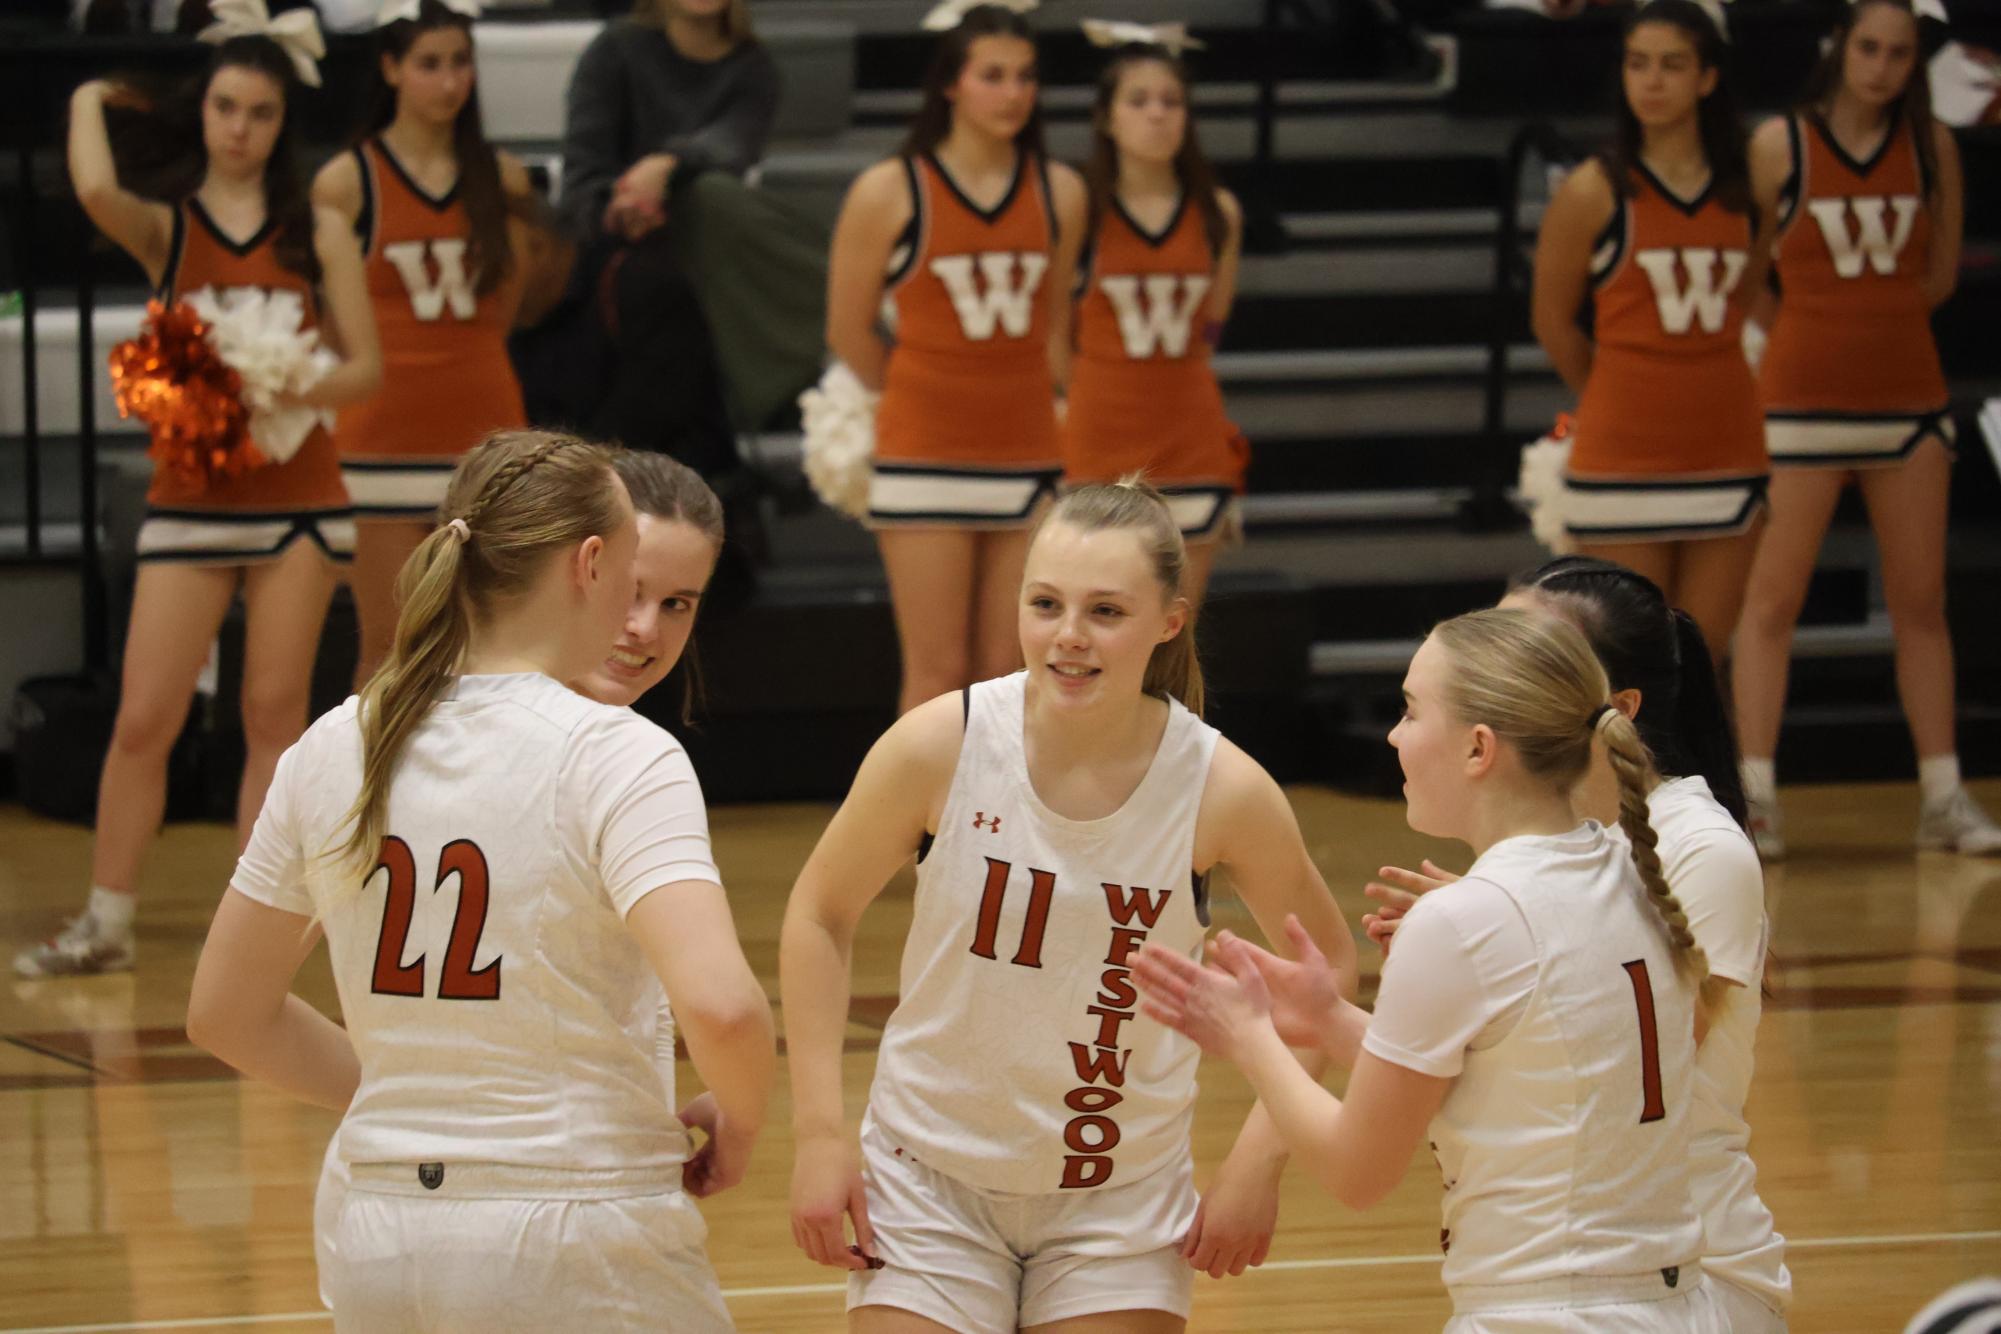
1017	1060
500	1009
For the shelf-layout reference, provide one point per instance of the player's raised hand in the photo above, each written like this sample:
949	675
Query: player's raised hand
1305	990
724	1155
1218	1006
1398	891
826	1188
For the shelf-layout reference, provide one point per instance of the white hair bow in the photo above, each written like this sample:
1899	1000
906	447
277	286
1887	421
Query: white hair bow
296	31
947	14
1714	8
1930	9
395	11
1173	37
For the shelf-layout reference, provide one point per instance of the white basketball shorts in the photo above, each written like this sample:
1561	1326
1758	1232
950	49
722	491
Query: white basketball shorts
990	1264
492	1250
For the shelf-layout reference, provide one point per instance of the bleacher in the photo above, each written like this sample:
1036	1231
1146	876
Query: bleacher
1360	361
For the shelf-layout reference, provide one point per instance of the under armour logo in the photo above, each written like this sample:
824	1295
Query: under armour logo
1672	1275
990	823
431	1175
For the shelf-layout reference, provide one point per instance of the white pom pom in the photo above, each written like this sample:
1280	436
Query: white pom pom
256	333
838	416
1541	489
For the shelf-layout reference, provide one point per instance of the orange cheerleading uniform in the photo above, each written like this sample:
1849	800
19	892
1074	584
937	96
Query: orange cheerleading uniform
1143	395
254	516
965	432
446	378
1850	375
1670	437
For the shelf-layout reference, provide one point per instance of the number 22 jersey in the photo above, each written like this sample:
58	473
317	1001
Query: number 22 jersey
501	1011
1017	1060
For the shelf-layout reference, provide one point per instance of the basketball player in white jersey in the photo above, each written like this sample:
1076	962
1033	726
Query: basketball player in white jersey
1024	1158
1663	680
1536	1018
680	535
515	1157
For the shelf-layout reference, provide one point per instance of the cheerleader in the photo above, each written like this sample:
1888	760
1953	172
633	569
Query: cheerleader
1662	679
1866	188
429	198
1158	274
968	237
1025	1153
508	875
1657	237
1535	1023
239	218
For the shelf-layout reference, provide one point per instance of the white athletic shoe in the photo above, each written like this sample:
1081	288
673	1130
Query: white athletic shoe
1958	824
81	948
1767	829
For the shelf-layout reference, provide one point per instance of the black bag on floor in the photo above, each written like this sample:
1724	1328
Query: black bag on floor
62	729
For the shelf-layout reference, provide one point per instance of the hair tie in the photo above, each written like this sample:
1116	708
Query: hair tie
397	11
461	529
1111	34
948	14
1598	716
296	31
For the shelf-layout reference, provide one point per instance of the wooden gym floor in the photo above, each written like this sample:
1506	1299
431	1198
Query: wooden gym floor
143	1186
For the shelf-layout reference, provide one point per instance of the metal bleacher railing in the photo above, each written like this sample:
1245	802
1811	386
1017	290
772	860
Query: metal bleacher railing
1538	142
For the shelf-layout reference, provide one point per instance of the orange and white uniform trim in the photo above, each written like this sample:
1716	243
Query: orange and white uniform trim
966	429
1851	375
1143	394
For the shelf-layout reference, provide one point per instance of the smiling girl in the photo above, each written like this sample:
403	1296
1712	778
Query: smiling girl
1024	1160
1538	1029
429	198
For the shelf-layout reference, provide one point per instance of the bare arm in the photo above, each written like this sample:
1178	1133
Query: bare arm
1582	207
338	187
1223	292
352	319
1948	217
1259	844
877	208
1771	162
877	828
690	938
242	1010
141	227
1068	199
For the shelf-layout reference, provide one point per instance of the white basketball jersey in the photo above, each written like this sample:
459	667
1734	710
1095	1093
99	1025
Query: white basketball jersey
1742	1243
501	1011
1564	1146
1017	1059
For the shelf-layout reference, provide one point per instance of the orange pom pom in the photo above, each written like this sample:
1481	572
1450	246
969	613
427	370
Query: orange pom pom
172	378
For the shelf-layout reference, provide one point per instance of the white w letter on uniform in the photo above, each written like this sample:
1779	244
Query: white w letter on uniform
1703	297
1158	320
1869	241
428	298
995	298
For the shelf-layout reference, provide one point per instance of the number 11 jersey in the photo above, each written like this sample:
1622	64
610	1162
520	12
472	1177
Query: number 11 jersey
1017	1060
501	1011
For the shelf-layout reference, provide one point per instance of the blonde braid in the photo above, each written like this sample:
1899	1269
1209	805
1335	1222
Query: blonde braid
1635	771
510	472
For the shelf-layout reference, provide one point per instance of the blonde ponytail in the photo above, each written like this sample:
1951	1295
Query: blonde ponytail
1535	681
1634	768
1133	504
516	498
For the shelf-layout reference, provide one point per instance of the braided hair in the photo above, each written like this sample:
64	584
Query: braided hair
1534	680
517	498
